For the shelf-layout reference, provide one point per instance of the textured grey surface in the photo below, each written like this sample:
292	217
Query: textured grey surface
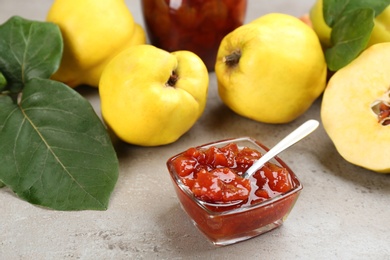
343	211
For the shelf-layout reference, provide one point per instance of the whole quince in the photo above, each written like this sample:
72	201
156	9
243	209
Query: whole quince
355	109
151	97
272	69
380	32
93	33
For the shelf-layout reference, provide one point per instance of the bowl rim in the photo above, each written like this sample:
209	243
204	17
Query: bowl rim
298	185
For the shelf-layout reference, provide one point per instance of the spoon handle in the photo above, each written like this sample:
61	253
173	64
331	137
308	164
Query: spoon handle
299	133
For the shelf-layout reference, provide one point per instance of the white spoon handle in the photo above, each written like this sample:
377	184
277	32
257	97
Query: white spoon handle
299	133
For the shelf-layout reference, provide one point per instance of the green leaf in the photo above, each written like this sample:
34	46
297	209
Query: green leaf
54	149
28	49
6	106
3	82
334	10
352	22
348	40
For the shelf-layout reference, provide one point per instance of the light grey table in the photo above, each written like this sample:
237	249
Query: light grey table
343	211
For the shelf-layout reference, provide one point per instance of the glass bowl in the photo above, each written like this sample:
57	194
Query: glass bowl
227	225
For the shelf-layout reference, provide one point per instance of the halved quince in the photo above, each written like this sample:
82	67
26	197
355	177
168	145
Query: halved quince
355	110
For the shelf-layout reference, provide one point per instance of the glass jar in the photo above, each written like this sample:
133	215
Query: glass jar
193	25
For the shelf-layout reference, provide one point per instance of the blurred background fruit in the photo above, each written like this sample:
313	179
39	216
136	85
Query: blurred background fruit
93	33
193	25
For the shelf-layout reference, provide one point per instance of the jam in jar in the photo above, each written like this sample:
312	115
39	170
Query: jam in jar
193	25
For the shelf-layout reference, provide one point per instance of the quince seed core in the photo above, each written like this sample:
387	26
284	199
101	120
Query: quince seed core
381	109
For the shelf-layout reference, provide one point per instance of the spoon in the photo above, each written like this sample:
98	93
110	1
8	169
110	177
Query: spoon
295	136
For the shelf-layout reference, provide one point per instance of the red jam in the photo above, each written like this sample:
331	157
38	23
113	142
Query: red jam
215	175
194	25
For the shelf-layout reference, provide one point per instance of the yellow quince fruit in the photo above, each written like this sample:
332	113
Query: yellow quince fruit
272	69
151	97
93	33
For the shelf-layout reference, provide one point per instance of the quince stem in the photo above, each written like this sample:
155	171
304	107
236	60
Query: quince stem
232	59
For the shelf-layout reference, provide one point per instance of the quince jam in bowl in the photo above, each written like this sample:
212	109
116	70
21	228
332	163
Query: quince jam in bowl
212	173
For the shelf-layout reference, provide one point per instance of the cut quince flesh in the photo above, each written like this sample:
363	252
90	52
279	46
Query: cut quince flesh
355	110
